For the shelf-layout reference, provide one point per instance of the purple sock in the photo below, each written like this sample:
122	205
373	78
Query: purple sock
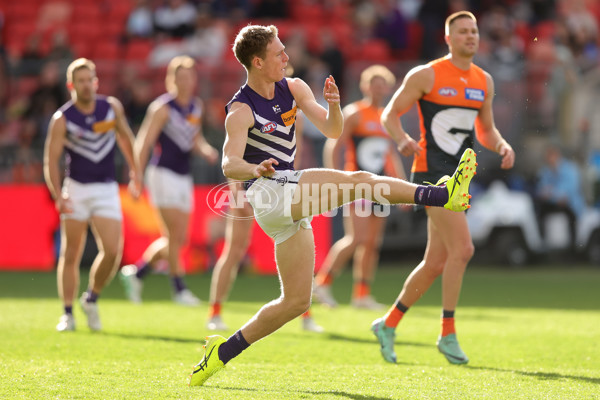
69	310
142	269
92	296
232	347
431	195
177	282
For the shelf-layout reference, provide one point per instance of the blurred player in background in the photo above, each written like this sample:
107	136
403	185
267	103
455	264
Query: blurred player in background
238	232
172	128
260	149
87	128
455	104
368	148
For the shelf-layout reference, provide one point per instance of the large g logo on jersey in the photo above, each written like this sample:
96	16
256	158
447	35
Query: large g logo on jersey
450	128
371	153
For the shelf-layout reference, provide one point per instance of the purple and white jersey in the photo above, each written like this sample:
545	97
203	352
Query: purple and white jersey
274	131
176	141
90	142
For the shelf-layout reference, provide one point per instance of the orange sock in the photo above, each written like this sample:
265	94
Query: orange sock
395	314
324	279
215	309
306	314
393	317
448	326
361	289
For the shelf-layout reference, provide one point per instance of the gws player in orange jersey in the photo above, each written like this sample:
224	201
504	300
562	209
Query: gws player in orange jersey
454	98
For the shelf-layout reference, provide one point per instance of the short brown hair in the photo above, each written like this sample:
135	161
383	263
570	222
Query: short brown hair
174	65
457	15
251	41
78	64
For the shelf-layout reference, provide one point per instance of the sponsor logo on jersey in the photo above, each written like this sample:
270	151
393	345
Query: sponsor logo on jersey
474	94
101	127
269	127
289	117
193	119
447	92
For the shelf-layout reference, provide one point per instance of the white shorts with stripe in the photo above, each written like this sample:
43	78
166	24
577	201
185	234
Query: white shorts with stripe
98	199
169	189
271	200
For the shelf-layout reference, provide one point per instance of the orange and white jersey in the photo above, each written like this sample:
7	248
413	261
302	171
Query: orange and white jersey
447	117
369	146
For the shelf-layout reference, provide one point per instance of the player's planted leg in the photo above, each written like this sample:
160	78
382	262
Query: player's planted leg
210	362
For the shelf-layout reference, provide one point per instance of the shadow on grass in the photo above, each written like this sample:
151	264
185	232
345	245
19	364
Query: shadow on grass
354	339
151	337
344	395
541	375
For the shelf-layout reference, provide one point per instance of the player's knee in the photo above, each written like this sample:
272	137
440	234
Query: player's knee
298	305
435	269
111	254
236	253
361	177
466	252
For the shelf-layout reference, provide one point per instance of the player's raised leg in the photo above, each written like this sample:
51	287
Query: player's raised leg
335	188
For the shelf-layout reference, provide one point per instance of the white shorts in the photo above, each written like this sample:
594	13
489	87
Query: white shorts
92	199
169	189
271	200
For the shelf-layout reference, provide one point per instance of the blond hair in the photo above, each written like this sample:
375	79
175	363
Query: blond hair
251	41
458	15
78	64
374	71
174	65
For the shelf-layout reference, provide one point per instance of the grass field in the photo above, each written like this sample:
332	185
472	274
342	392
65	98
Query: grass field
530	334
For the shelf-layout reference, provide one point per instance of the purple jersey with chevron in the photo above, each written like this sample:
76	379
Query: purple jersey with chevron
90	142
176	141
274	132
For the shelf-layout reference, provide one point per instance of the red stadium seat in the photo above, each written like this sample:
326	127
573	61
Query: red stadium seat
108	50
88	12
22	11
373	50
138	49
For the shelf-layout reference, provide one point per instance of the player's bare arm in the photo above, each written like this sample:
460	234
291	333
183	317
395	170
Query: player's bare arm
154	120
238	121
487	133
299	132
331	121
333	147
125	141
53	149
201	146
417	83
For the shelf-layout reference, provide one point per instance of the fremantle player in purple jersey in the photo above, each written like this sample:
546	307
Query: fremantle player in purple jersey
87	128
172	130
260	149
